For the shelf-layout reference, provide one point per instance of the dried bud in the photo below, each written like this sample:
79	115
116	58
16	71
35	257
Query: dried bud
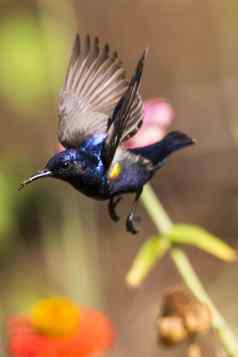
182	316
171	330
198	319
194	350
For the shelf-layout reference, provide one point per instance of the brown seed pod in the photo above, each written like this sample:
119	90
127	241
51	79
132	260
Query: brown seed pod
182	317
171	330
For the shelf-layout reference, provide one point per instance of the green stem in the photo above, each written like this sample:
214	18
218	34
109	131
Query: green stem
156	211
190	278
163	223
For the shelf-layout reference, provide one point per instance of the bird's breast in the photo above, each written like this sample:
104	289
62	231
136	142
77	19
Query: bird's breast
92	180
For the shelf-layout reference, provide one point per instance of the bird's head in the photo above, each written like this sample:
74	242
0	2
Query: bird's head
63	165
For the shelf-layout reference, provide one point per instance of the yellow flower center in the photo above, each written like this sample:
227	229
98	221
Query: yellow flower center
115	171
56	317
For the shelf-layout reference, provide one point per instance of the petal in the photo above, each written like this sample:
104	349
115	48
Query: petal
95	333
22	341
158	112
60	148
145	137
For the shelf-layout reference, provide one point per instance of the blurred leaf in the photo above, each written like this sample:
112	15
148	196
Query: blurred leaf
23	74
26	62
57	42
200	238
150	252
6	206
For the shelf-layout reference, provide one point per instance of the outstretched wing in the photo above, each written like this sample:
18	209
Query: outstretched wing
127	116
94	83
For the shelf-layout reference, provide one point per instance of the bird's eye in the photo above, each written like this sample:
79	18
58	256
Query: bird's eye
66	165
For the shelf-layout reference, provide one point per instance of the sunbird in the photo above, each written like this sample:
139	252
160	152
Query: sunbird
99	109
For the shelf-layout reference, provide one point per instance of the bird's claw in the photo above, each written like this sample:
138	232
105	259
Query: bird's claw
112	208
130	223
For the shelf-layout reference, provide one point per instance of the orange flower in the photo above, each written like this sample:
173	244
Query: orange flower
58	328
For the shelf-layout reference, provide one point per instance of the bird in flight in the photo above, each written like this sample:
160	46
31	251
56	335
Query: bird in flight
99	109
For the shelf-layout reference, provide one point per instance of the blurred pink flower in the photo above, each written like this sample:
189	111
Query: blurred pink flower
60	147
158	116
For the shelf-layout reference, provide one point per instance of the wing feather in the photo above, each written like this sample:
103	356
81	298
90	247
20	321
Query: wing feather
94	83
127	116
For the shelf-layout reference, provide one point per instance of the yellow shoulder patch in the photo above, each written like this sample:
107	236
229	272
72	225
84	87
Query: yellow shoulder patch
115	171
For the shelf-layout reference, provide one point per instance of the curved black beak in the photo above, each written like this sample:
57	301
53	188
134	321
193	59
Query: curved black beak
37	176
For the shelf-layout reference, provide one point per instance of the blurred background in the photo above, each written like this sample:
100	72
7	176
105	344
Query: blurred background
54	240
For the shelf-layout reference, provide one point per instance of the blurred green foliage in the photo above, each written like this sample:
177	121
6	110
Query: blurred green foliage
31	61
6	206
202	239
150	253
22	213
22	62
180	234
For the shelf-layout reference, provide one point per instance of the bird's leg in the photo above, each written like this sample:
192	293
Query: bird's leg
131	219
112	208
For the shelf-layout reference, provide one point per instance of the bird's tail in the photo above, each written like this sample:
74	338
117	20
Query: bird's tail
157	152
